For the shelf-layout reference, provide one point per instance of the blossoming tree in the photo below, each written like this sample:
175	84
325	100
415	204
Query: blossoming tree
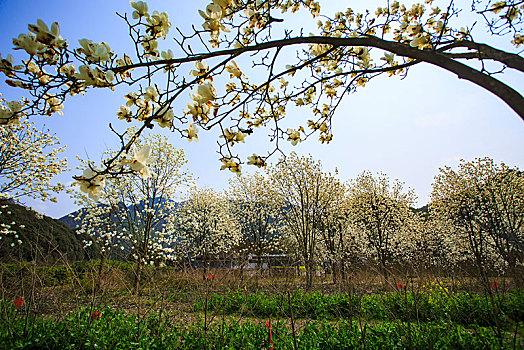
484	202
257	215
287	69
132	212
305	195
203	228
29	159
381	212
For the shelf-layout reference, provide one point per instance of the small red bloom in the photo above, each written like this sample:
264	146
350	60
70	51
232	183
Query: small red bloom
401	286
210	277
268	325
95	315
19	302
495	284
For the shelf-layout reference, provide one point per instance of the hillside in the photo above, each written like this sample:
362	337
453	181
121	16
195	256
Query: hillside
42	237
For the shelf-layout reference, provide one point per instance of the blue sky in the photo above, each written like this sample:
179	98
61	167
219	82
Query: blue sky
406	129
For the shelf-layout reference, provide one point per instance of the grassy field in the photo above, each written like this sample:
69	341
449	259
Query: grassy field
79	306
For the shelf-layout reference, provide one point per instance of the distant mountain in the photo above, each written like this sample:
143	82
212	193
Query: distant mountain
42	237
72	220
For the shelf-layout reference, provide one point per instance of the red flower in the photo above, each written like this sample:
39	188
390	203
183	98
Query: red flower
268	325
210	277
19	302
495	284
401	286
95	315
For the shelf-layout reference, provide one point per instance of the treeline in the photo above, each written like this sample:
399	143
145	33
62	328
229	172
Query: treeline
475	219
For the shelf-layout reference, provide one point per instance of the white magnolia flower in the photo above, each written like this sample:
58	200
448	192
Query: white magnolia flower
205	93
234	70
141	159
140	7
45	35
91	183
192	132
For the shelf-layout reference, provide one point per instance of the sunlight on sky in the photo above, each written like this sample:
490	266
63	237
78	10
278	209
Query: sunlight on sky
406	129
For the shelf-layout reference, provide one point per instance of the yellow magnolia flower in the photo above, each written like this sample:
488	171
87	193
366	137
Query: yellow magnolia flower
94	77
197	110
165	117
132	99
55	105
45	35
167	55
28	43
122	62
94	51
151	93
222	3
124	113
201	69
213	13
159	24
232	165
294	136
388	57
256	160
67	70
141	159
240	136
12	114
419	41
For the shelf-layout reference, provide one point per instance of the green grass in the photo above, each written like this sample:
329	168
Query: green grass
461	307
118	330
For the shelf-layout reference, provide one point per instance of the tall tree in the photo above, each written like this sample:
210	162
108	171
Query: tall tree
131	212
305	195
256	214
381	212
337	240
203	228
29	159
484	201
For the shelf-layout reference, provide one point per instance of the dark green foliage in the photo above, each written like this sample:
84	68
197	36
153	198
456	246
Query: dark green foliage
43	238
118	330
461	308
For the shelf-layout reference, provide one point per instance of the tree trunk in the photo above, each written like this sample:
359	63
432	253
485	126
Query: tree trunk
385	272
138	272
258	269
309	274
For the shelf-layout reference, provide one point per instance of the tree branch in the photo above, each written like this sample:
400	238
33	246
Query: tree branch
512	98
